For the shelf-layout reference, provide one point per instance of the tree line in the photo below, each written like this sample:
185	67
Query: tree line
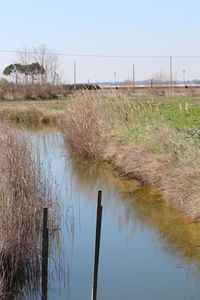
34	75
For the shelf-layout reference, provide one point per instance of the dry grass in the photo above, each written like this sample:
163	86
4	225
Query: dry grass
83	126
134	137
32	113
22	198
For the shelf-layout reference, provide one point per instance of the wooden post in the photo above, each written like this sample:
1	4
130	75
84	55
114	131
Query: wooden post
45	248
97	245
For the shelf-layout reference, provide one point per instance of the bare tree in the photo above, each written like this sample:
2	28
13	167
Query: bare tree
160	79
48	59
24	58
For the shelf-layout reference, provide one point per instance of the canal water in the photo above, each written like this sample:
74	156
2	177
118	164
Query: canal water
147	251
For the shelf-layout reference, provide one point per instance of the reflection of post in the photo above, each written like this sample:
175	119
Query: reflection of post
133	78
171	79
45	246
97	245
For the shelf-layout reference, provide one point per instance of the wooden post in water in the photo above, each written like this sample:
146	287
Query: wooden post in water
45	248
97	245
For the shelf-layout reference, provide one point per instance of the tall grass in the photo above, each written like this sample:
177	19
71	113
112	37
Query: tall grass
83	125
22	198
134	136
33	114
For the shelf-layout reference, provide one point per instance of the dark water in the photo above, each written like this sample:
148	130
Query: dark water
147	250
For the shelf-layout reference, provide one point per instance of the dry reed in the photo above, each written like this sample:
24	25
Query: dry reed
83	126
22	198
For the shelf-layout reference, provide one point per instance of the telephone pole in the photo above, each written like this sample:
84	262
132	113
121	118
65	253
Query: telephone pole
133	78
171	71
74	74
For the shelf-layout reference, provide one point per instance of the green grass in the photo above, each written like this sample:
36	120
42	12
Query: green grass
133	119
56	108
176	117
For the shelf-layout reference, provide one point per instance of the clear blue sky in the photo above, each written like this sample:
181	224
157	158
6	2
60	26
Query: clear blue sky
145	27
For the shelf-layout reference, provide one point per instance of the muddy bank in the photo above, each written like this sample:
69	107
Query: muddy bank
178	185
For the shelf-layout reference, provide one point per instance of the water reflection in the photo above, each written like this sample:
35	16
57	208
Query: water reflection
142	207
148	250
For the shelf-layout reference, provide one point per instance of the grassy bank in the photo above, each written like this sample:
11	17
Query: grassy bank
154	140
33	113
23	195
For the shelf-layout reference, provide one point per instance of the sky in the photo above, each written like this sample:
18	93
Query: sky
115	28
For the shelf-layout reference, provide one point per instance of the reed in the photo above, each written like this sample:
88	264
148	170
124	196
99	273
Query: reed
22	198
83	126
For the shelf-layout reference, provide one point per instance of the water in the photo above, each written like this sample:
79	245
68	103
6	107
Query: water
147	250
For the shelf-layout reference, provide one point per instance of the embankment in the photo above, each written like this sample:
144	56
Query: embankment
134	137
32	113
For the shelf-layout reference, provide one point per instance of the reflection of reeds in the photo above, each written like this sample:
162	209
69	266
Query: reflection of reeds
22	198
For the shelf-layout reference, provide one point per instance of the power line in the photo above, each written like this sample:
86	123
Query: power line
98	55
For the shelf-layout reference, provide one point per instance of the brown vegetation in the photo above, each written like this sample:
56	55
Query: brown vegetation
12	91
82	126
32	114
22	198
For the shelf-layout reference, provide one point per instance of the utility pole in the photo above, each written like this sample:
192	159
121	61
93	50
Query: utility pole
184	77
115	83
133	78
74	74
171	76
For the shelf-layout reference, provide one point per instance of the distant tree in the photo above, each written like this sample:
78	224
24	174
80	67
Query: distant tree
38	63
128	82
48	59
160	79
35	69
13	70
27	70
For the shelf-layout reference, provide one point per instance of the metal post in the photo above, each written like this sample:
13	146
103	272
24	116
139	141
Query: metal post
97	245
45	250
171	76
